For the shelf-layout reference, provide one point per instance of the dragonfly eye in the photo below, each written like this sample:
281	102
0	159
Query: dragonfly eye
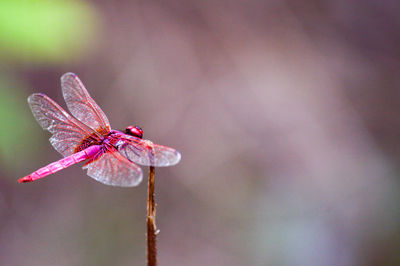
134	131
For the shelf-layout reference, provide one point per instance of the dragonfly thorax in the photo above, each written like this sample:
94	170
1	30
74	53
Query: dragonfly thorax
134	131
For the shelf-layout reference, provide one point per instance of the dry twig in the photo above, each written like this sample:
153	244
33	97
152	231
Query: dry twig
151	221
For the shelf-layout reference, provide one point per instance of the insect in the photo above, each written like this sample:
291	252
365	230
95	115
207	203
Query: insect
111	156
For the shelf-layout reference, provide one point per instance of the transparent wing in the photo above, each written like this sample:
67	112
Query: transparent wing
144	152
81	105
68	132
113	169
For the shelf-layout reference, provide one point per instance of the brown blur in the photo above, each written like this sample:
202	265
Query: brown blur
286	113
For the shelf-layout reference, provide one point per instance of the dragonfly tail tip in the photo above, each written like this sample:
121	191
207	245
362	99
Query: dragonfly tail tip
25	179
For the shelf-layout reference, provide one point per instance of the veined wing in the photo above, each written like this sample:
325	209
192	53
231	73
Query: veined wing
111	168
81	105
68	132
144	152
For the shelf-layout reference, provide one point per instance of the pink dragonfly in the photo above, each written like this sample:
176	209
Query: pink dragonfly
87	135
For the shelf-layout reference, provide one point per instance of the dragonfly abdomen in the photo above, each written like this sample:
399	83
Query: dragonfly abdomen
62	164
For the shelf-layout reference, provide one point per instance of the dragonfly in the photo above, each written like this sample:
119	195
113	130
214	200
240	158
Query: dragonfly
111	156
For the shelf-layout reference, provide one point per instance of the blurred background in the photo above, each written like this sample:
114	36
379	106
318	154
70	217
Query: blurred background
286	114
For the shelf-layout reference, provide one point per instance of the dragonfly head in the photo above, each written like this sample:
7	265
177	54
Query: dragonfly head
134	131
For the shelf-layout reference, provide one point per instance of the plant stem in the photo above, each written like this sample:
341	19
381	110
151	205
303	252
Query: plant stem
151	222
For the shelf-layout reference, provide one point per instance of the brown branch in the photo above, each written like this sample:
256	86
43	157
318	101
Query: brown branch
151	222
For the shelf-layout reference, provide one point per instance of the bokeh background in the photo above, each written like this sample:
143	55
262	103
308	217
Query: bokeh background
286	114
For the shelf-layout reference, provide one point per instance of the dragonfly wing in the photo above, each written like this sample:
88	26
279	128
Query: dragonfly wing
144	152
68	132
81	105
113	169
